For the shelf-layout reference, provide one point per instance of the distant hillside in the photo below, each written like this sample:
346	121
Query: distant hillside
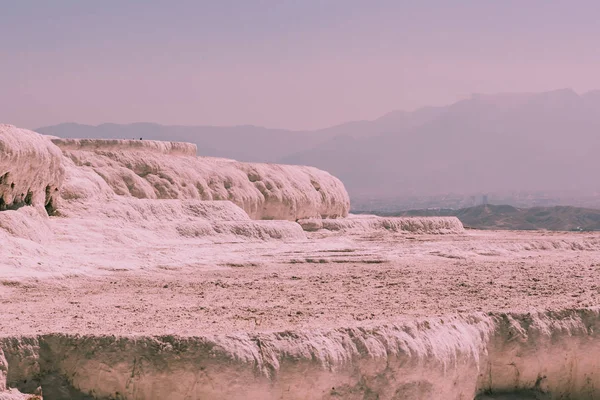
512	142
537	142
507	217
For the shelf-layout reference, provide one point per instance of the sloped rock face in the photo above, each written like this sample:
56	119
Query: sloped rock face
553	355
31	170
165	170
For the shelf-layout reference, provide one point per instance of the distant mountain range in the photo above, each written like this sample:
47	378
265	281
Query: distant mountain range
488	143
507	217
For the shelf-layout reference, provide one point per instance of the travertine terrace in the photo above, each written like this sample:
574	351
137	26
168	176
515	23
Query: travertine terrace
138	270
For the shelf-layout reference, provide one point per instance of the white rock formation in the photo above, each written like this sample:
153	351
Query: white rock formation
162	170
31	169
452	357
372	223
153	189
121	192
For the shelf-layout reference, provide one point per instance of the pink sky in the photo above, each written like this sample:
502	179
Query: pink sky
281	64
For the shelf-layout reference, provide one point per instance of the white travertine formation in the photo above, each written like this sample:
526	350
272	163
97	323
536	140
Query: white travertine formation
452	357
135	182
163	170
371	223
31	169
147	146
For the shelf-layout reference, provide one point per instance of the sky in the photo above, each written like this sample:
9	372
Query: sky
283	64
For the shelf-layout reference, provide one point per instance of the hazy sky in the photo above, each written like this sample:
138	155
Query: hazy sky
293	64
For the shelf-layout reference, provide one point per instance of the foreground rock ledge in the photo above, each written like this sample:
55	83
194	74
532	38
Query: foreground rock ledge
555	354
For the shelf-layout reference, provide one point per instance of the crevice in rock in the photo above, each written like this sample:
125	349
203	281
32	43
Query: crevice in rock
49	201
4	178
18	202
28	198
516	395
57	387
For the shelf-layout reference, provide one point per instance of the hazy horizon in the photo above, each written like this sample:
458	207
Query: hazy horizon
293	65
381	115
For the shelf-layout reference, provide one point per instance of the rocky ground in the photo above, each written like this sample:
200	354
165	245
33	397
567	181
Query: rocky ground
326	281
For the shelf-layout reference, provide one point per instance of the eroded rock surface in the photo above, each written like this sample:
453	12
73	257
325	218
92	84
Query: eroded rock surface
31	170
159	170
452	357
370	224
